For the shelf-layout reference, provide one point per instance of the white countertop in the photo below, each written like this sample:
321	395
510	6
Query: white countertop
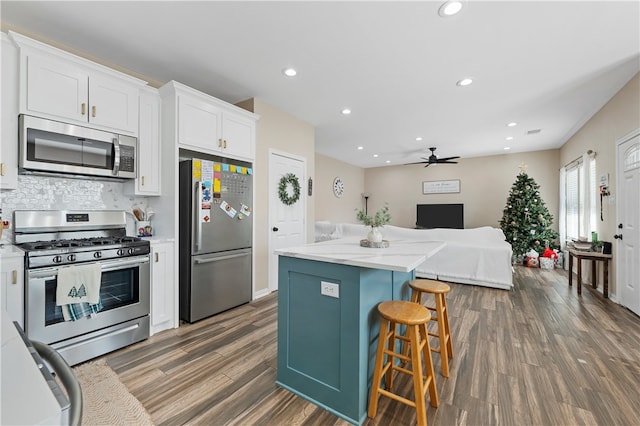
9	250
401	255
26	397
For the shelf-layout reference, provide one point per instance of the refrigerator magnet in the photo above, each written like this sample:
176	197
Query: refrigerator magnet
245	210
230	211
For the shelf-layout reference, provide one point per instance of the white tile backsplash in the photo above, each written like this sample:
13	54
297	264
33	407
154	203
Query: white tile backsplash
54	193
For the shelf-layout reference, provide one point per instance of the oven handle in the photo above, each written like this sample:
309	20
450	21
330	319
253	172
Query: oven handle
52	273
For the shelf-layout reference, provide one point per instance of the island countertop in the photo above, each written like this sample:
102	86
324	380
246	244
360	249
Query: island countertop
401	255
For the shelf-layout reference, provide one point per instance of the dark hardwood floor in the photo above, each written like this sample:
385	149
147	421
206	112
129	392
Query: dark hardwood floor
537	355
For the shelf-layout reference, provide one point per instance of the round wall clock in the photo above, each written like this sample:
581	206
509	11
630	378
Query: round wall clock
338	187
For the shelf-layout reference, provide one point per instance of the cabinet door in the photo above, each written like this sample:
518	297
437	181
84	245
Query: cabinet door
9	126
238	135
57	88
199	125
148	181
12	282
162	287
113	103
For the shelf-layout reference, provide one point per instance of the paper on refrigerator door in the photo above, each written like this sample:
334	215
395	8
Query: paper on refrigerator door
226	207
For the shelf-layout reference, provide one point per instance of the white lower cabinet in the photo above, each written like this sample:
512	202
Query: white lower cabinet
12	281
163	287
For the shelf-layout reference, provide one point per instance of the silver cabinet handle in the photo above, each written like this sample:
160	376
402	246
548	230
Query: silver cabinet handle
14	277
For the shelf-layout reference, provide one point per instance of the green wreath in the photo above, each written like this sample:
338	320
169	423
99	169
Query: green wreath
283	189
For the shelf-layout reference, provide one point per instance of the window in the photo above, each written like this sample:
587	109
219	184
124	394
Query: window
580	189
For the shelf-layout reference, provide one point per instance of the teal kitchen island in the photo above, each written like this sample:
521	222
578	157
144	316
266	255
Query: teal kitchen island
327	318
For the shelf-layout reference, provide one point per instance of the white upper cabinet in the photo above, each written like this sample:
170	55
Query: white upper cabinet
61	86
9	118
149	177
238	135
209	125
56	87
199	123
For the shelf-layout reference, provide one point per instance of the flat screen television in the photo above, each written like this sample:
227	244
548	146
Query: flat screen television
440	216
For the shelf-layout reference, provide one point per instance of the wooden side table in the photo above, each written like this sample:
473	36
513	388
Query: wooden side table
593	257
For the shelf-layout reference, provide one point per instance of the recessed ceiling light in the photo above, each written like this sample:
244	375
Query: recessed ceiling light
346	111
464	82
289	72
506	148
388	161
375	155
509	138
512	124
418	138
360	148
450	8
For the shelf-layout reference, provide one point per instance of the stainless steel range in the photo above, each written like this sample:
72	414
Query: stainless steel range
61	240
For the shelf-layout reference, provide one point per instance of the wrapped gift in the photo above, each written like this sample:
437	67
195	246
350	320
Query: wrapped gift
547	263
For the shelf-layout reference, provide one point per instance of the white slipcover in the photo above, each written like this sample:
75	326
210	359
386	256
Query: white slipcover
478	256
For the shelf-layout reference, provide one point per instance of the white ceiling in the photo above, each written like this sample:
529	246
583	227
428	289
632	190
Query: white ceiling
546	65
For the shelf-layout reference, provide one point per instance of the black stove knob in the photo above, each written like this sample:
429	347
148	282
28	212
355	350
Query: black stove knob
97	254
120	252
131	250
57	259
71	257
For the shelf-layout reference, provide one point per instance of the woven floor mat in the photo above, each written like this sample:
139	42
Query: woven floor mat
106	400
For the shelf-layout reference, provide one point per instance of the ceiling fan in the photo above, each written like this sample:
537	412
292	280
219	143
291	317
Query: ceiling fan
435	160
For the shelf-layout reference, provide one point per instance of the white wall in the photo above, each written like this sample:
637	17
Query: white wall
484	186
283	132
619	117
328	206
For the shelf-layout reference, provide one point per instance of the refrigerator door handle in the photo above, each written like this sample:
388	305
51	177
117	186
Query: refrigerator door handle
198	218
215	259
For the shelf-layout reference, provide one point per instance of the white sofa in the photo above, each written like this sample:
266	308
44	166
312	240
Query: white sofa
478	256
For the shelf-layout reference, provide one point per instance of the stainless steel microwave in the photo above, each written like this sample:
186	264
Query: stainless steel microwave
53	147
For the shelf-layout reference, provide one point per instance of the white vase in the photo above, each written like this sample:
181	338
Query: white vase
374	235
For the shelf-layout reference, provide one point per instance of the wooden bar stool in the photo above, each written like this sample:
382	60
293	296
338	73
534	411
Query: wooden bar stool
438	289
415	318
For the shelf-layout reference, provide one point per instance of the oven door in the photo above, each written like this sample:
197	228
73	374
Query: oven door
124	292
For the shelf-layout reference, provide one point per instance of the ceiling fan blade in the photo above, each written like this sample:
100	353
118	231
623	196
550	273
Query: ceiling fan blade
419	162
447	158
427	165
447	162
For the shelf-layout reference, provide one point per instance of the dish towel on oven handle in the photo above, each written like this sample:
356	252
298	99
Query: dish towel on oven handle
78	290
75	311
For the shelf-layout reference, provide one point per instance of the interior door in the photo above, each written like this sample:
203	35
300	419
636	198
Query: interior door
628	236
287	222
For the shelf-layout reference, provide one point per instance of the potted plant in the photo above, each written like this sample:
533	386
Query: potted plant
378	220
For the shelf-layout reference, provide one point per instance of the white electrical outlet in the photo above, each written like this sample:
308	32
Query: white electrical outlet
329	289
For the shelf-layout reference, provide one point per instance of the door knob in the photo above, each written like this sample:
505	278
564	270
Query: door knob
619	226
618	236
275	229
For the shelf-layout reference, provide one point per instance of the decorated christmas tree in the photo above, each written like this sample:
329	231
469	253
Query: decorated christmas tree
526	221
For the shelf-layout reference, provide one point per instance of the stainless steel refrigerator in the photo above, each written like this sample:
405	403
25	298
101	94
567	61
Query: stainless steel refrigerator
215	240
